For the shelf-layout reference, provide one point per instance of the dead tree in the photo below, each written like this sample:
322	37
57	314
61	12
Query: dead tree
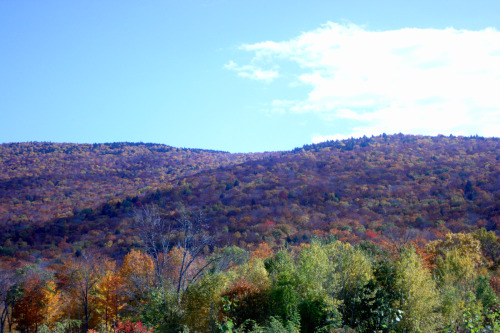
189	233
156	234
194	239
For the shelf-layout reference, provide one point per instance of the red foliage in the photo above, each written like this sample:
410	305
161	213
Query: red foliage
495	284
370	234
130	327
270	223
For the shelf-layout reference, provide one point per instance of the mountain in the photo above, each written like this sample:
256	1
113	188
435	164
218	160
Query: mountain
57	198
43	181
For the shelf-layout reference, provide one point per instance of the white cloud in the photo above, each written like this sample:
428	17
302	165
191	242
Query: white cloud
252	72
423	81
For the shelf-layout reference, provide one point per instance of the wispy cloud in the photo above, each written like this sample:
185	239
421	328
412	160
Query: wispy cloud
424	81
252	72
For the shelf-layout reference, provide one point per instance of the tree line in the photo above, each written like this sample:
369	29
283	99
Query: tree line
180	281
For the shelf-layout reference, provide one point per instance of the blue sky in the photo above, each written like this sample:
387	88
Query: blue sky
246	76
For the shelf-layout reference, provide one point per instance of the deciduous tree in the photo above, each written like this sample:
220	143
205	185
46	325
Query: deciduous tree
419	299
81	277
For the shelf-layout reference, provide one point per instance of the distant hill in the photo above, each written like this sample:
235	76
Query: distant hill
40	181
59	197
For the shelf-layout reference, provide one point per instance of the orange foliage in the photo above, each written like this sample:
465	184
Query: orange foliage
250	302
263	251
28	312
137	274
111	290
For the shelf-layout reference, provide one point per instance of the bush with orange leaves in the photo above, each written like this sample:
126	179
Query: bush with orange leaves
251	302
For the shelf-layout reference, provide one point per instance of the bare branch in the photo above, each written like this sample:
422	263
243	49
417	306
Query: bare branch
190	232
156	235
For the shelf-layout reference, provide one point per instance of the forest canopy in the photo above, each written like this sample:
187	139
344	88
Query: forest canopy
399	232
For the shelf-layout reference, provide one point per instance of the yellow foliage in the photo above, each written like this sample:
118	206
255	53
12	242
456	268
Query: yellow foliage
137	272
420	299
52	310
465	245
111	296
201	301
255	273
137	265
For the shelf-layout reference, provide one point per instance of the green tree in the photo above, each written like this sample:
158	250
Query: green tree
284	298
418	296
490	246
318	308
484	293
351	271
377	307
162	311
202	300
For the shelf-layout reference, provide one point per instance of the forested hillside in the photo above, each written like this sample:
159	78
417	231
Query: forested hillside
399	232
368	188
43	181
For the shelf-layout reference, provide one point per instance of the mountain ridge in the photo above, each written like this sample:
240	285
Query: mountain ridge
366	188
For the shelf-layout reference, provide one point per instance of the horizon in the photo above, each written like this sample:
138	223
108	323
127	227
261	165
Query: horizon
255	152
227	76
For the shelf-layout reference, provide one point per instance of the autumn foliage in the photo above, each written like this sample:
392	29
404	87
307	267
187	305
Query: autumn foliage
322	284
389	233
58	198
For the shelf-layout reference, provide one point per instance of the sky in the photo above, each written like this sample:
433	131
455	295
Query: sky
247	76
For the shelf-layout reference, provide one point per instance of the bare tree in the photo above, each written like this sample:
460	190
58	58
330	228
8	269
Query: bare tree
194	238
7	281
189	233
156	234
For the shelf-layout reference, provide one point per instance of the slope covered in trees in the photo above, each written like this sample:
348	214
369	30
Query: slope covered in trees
400	233
43	181
370	188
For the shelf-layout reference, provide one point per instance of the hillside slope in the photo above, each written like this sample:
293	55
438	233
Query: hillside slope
41	181
368	188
